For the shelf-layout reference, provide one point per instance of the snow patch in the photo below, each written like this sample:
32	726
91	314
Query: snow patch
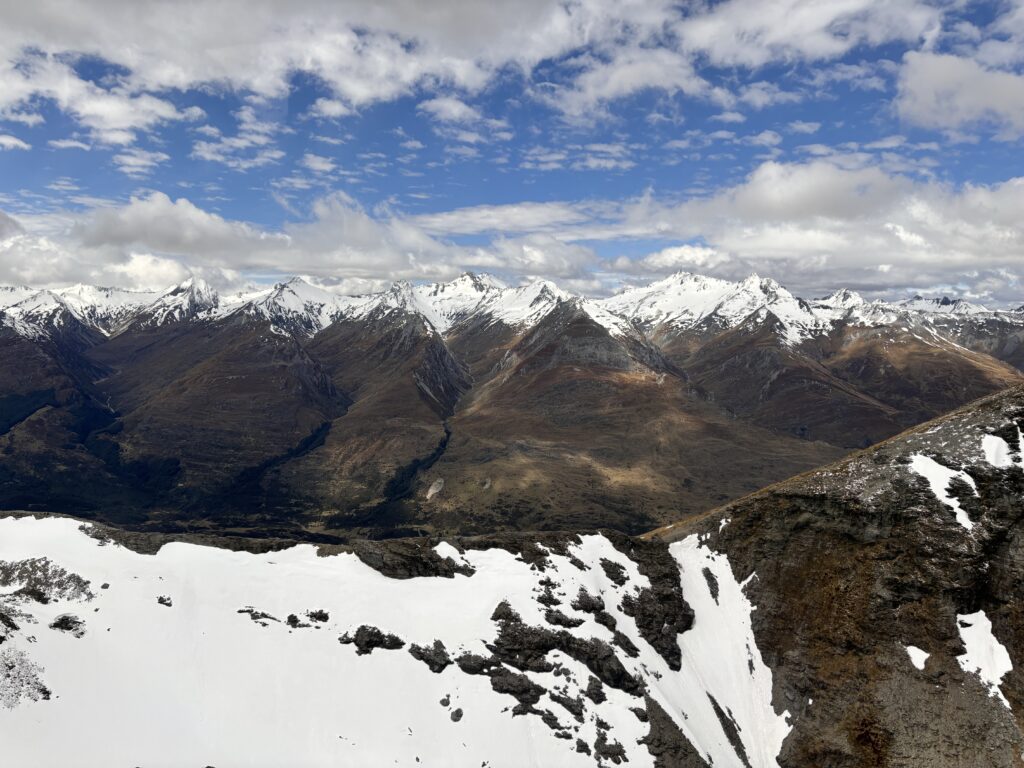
939	478
986	657
435	488
917	656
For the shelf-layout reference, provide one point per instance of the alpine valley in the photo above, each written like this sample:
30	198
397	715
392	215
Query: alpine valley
466	407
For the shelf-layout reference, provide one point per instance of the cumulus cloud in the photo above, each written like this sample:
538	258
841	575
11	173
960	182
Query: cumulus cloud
317	163
139	162
753	33
177	227
626	72
68	144
448	109
815	225
330	108
252	146
956	94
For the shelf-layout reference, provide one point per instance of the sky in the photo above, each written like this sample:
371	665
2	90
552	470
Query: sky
869	144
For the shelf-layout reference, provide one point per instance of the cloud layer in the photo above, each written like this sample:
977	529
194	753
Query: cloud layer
815	225
648	135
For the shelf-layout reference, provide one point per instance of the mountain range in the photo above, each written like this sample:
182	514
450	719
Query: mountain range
468	406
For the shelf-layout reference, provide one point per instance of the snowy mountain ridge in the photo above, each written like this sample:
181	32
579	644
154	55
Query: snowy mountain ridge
678	303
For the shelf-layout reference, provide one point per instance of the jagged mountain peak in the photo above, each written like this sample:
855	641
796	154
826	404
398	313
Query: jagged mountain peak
944	305
686	301
683	302
843	298
40	315
291	306
188	300
469	281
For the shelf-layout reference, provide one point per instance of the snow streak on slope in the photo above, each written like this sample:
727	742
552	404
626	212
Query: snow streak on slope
986	657
204	656
939	478
724	688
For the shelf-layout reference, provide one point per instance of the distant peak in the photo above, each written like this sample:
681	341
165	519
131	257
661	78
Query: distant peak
843	298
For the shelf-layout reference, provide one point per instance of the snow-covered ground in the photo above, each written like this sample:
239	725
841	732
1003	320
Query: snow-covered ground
203	656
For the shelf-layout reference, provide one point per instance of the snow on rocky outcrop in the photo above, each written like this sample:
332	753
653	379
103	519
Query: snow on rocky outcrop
571	653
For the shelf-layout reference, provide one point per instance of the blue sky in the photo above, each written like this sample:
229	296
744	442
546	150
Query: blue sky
874	144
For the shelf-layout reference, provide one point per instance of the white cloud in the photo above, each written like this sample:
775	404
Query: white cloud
763	94
814	225
252	146
173	227
330	108
803	126
12	142
729	117
146	271
688	258
764	139
515	217
957	94
139	162
626	72
448	109
317	163
69	144
753	33
9	227
113	115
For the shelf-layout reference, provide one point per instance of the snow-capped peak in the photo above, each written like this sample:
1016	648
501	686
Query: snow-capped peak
187	300
842	299
684	300
294	306
105	309
12	294
680	302
443	305
38	314
941	306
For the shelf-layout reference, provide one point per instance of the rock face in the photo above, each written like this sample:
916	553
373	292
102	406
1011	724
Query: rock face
888	594
865	614
464	407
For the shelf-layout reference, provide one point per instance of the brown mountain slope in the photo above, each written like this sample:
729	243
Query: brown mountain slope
380	425
574	431
857	562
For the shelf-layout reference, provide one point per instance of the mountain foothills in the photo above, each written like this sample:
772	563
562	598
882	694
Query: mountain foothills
859	615
466	406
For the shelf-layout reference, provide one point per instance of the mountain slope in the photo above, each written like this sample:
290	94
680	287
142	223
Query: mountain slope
864	614
470	405
887	590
